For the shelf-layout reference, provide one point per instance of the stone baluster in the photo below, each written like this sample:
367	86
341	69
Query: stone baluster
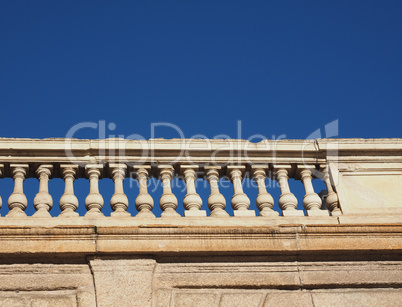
119	200
216	201
311	201
240	201
17	202
287	201
168	201
144	202
68	201
264	201
94	200
192	201
1	174
43	201
332	200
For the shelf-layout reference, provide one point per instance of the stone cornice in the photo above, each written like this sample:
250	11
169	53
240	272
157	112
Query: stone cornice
198	151
156	239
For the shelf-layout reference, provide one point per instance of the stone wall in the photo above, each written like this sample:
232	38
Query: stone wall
173	264
200	281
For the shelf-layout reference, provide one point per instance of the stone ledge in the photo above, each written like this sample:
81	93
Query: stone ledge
155	239
268	275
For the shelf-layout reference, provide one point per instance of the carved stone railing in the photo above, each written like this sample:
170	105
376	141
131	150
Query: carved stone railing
361	176
240	202
95	242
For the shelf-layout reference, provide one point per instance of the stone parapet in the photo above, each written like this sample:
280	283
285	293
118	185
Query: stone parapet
362	177
338	247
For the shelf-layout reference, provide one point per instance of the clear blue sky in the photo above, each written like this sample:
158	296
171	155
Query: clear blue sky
281	67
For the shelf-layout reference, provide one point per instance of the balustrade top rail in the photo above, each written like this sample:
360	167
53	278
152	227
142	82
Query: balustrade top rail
191	158
60	150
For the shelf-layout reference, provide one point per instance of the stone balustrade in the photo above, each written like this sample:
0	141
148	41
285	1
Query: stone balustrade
348	173
326	231
168	202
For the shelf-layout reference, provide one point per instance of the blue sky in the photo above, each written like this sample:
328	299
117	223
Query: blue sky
283	67
280	67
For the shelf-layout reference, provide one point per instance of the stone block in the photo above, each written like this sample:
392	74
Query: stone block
226	275
162	297
317	212
53	301
44	284
195	213
243	213
285	298
59	298
319	274
250	299
191	298
126	282
13	302
292	213
357	297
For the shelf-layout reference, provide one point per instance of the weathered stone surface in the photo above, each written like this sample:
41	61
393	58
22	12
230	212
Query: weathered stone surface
163	238
226	275
144	282
264	297
195	299
335	274
297	298
59	298
242	298
357	297
162	297
45	284
360	193
126	282
291	275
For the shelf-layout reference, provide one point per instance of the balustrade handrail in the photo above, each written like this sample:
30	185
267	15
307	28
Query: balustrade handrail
189	158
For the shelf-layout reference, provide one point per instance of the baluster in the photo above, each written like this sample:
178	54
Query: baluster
94	200
119	200
43	201
168	201
192	201
17	202
240	201
68	201
332	200
216	201
311	201
1	174
287	201
144	202
264	201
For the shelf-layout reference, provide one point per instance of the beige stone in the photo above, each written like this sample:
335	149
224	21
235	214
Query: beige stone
226	275
296	298
59	298
357	297
348	255
126	282
162	297
365	174
46	285
243	298
195	299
